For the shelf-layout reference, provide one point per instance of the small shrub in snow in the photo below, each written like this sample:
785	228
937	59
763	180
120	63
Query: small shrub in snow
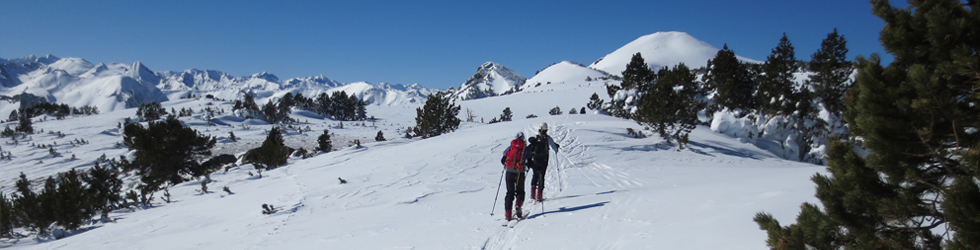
555	111
507	115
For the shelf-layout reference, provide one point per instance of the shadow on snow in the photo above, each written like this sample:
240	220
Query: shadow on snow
570	209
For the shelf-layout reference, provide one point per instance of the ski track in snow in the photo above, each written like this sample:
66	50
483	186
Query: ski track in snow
571	159
604	189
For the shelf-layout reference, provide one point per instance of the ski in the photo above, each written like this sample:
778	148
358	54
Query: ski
514	222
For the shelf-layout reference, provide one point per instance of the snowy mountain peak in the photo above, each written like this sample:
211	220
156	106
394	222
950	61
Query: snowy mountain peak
266	76
143	74
659	50
491	79
47	59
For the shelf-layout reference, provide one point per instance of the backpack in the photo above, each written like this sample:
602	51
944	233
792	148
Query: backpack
515	156
540	151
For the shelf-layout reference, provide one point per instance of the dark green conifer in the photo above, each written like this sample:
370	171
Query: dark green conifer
105	188
776	86
594	102
323	142
731	79
832	72
166	151
436	117
74	205
273	152
917	188
6	217
507	115
670	105
24	124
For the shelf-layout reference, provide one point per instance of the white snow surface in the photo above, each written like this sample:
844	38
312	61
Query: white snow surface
659	50
605	190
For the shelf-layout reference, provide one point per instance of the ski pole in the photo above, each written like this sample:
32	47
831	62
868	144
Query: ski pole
498	192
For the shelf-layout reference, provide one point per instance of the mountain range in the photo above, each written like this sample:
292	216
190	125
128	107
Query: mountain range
77	82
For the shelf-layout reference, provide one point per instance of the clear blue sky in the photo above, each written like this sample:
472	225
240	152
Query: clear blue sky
437	44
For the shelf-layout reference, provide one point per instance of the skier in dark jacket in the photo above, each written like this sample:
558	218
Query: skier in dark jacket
539	160
514	161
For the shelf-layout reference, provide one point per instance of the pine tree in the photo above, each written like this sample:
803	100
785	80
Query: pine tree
271	112
594	102
832	72
273	152
670	105
7	132
24	124
323	142
776	86
105	188
28	207
151	111
74	202
917	187
436	117
6	217
507	115
637	75
166	151
731	79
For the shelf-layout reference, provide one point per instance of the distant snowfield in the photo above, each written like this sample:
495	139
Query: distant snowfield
605	190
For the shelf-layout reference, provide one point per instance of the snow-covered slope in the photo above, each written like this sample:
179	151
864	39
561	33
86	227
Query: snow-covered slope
564	72
491	79
604	188
660	49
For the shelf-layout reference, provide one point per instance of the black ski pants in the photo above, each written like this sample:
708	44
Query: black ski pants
515	187
537	180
